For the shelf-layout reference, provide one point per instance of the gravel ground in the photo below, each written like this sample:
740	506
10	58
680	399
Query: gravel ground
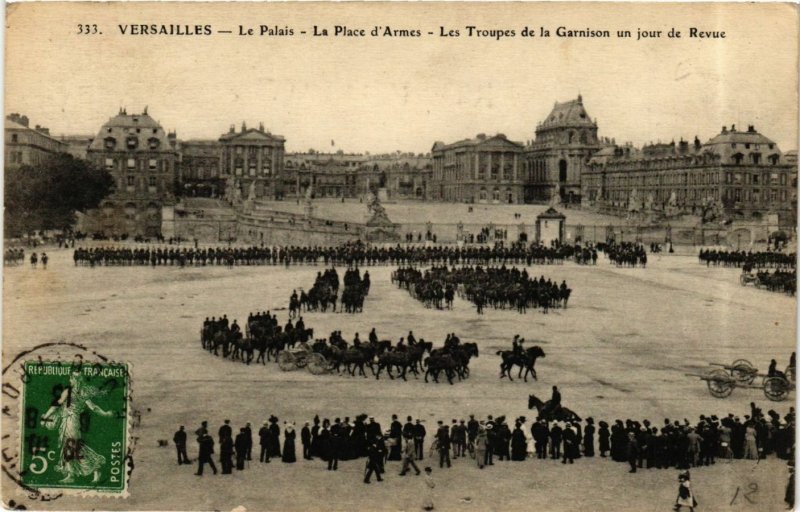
619	351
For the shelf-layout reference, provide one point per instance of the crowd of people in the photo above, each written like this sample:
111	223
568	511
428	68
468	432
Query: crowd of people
14	256
497	287
678	444
748	260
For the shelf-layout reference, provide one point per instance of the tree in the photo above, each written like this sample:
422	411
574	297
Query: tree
48	195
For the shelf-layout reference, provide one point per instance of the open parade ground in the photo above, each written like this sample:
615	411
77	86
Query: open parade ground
620	350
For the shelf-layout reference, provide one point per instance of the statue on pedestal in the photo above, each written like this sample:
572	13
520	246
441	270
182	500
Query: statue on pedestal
251	193
555	199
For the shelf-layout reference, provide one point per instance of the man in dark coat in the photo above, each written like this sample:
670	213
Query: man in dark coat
180	445
541	434
263	441
443	444
408	428
226	455
206	451
225	431
419	439
334	445
472	428
248	432
555	440
241	448
570	444
374	461
396	436
305	439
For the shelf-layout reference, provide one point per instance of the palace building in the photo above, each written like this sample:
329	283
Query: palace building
560	153
253	158
141	158
480	170
743	173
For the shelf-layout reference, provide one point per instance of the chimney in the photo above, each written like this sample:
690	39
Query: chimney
23	120
244	127
232	129
261	127
696	142
481	136
724	129
733	127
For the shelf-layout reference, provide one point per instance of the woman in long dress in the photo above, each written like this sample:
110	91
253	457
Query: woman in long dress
750	447
76	457
288	443
519	447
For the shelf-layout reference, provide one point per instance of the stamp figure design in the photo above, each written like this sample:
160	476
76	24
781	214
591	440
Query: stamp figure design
75	426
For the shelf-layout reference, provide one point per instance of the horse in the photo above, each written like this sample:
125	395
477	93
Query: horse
402	360
559	414
353	358
439	363
526	361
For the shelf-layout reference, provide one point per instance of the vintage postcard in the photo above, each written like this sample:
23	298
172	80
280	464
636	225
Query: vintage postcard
399	256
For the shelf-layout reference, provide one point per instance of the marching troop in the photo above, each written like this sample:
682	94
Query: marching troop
496	287
749	259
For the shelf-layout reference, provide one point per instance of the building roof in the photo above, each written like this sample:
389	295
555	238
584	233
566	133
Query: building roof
124	127
251	134
200	148
13	125
478	140
569	113
751	136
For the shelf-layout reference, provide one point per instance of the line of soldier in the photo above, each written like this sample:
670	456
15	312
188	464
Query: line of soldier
641	445
14	256
347	254
749	259
626	254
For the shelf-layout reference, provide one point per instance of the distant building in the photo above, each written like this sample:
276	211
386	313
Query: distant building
403	176
77	145
743	172
28	146
199	170
480	170
560	153
253	156
142	159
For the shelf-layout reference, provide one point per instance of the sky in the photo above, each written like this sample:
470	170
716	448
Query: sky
385	94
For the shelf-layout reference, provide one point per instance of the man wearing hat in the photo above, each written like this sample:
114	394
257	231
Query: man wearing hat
408	455
180	445
263	441
305	440
443	444
419	439
588	438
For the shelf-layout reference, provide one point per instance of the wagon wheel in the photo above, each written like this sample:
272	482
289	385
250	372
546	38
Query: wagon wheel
317	364
743	280
776	389
790	373
720	384
301	362
743	371
286	361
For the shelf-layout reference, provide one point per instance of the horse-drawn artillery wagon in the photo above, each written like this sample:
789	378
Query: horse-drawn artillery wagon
722	379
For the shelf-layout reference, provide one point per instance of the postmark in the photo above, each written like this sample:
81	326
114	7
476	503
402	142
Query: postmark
67	423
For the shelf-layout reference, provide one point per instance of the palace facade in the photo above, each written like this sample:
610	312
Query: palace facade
742	173
479	170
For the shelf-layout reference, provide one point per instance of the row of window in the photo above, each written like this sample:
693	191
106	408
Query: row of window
131	181
131	142
747	145
131	164
754	179
755	195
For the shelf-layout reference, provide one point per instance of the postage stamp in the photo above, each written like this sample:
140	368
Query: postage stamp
74	426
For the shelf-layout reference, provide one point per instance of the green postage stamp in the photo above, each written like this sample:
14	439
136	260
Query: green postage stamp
74	433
